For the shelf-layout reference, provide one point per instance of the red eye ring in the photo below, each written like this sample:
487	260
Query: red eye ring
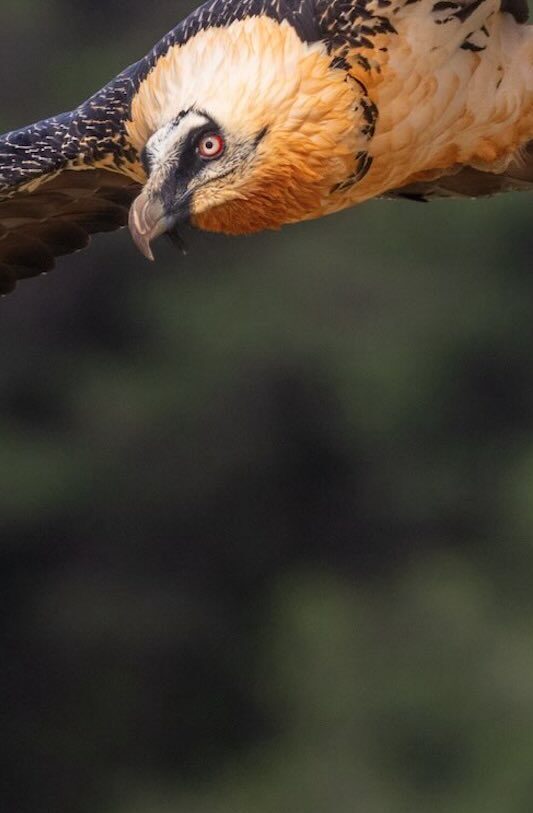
210	146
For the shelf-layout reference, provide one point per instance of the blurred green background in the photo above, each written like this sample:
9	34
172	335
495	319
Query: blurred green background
266	511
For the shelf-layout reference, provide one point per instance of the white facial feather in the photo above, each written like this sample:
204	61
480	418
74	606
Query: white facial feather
167	142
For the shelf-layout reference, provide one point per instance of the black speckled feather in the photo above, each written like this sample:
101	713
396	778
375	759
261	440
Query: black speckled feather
48	205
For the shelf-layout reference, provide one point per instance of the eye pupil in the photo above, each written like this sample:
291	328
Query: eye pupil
211	146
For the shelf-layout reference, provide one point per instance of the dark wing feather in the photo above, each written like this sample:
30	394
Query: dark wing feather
468	182
58	218
66	178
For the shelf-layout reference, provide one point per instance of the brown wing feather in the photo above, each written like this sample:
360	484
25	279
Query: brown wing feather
472	183
58	218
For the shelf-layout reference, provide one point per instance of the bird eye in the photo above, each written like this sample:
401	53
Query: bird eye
210	146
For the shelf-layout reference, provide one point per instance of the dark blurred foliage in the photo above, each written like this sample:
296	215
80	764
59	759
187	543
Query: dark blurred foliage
266	511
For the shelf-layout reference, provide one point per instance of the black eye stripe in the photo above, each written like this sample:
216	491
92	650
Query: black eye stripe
146	160
195	136
190	162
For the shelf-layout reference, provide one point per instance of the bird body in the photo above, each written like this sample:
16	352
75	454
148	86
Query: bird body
256	113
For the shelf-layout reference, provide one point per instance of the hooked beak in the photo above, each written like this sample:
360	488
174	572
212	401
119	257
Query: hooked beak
147	221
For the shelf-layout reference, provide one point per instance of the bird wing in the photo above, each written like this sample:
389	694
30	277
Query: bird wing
467	182
66	178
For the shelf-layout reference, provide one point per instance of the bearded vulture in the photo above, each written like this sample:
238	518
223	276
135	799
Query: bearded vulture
252	114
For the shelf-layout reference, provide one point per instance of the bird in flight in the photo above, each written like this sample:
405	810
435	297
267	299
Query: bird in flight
252	114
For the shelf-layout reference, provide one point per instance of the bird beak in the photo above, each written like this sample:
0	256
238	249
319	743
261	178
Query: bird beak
147	221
